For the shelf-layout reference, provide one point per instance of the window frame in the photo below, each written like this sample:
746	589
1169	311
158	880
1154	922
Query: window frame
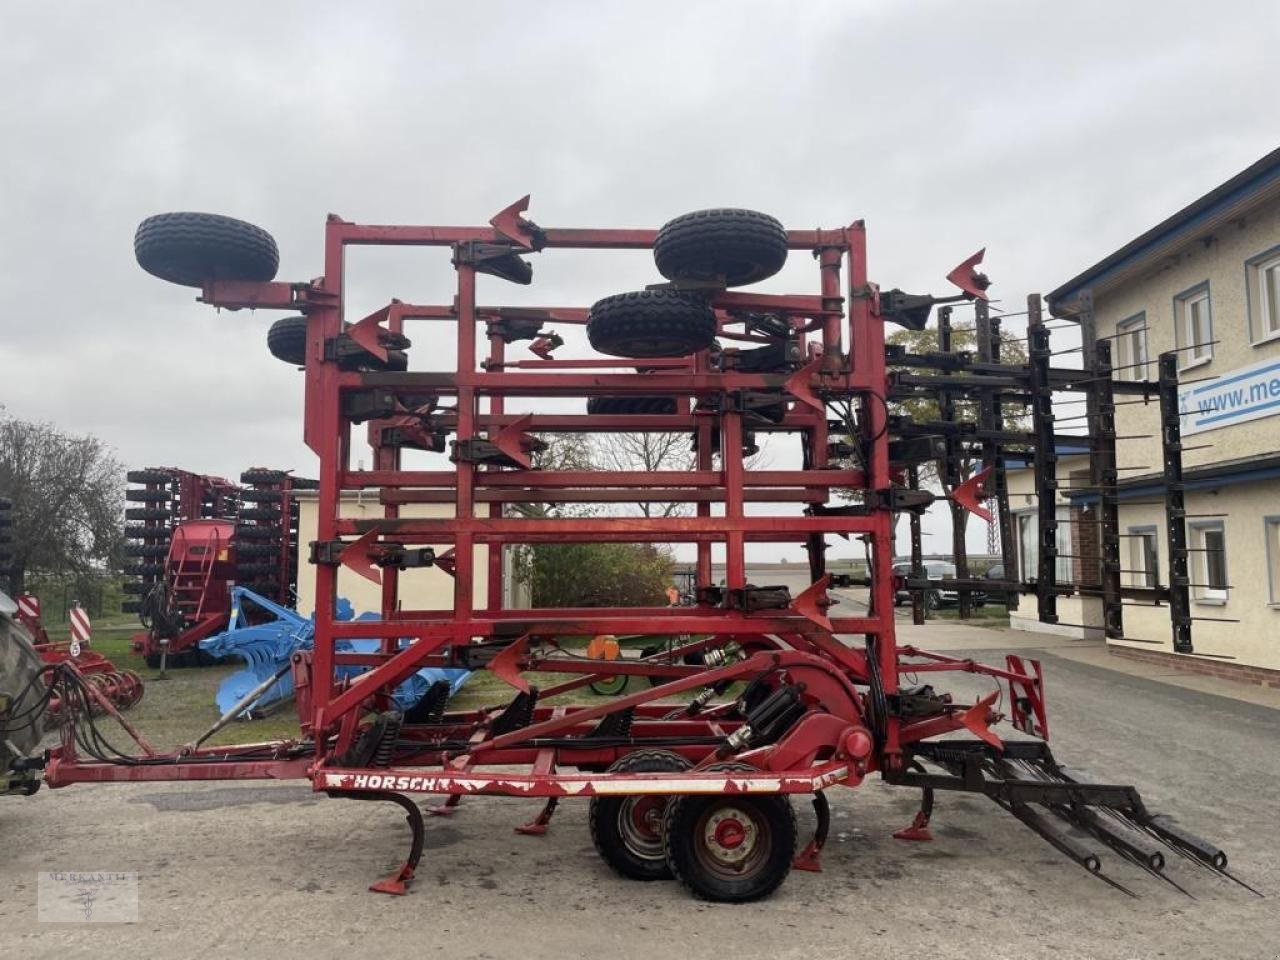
1129	367
1190	359
1273	557
1255	295
1064	572
1144	578
1203	593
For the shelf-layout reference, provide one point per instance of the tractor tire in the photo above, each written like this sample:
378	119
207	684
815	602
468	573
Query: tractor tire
651	323
21	686
148	496
730	848
304	483
626	406
149	476
287	341
148	533
627	830
148	513
262	496
146	550
192	248
264	474
251	532
735	247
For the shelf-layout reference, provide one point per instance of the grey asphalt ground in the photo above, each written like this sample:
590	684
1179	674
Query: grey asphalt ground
272	870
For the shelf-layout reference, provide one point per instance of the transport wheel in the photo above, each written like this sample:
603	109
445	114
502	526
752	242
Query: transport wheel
152	661
251	532
190	248
147	533
610	687
262	474
21	686
287	341
148	476
144	496
730	848
262	496
733	246
148	513
627	831
630	405
645	654
651	323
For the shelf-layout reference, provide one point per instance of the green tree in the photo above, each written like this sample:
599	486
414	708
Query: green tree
67	494
586	574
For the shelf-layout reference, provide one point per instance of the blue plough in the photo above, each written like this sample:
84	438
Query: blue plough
265	647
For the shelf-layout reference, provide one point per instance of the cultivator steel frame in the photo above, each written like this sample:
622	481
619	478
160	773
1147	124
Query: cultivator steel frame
682	778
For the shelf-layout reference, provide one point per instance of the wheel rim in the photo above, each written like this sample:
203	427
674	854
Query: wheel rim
731	841
640	825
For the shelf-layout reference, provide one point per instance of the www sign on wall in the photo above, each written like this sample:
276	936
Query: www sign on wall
1247	393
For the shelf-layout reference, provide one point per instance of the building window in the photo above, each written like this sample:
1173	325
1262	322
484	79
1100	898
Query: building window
1028	524
1144	557
1131	348
1272	527
1262	276
1209	562
1194	327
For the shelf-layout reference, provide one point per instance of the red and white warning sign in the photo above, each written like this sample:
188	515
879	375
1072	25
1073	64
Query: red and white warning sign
80	629
29	606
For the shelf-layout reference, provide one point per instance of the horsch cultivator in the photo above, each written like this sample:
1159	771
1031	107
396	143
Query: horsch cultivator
695	775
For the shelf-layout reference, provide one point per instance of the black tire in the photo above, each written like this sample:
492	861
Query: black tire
190	248
148	513
651	323
146	549
245	571
252	532
766	832
20	688
733	246
262	496
148	496
149	476
152	661
287	341
645	654
256	548
304	483
131	606
147	533
264	474
604	406
143	569
135	587
260	513
627	831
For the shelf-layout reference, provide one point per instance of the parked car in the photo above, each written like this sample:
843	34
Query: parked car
996	594
937	596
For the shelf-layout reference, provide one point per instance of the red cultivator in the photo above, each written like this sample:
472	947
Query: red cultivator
694	775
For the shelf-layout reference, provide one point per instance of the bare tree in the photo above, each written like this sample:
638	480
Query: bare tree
67	495
653	453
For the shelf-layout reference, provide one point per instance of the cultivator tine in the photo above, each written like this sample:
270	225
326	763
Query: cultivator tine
396	883
807	859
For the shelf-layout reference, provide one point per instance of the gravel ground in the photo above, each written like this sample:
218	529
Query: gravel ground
254	870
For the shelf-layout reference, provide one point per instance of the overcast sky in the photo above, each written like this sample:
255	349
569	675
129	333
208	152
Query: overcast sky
1051	133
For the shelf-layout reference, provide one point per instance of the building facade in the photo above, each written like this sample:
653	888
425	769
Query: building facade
1205	283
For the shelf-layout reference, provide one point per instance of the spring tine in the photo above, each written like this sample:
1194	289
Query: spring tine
1234	879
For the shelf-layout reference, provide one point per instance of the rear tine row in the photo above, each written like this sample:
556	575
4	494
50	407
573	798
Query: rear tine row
1124	830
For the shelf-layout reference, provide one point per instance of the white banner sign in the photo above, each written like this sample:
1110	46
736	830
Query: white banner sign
1248	393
